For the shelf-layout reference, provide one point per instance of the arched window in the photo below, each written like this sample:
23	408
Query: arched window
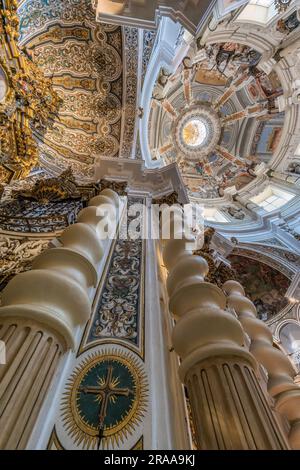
214	215
289	336
258	11
272	198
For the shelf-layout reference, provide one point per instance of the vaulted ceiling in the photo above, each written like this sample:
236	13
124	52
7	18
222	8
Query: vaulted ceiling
93	74
223	93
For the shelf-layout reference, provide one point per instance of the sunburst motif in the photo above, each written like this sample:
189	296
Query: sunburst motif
85	433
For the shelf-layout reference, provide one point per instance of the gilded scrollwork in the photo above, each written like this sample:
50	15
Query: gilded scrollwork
30	103
17	256
218	273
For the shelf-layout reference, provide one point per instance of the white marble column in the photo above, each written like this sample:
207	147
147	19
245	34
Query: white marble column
41	310
229	408
281	385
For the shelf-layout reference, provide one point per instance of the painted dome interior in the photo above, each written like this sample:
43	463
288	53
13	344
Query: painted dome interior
219	119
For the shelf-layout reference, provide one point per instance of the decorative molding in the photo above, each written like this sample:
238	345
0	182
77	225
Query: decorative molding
157	183
119	312
149	37
131	49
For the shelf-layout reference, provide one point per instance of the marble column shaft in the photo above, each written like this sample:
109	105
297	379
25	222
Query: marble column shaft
40	313
229	408
281	385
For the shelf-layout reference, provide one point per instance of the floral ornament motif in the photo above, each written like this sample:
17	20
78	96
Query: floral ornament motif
108	107
107	62
120	310
117	314
17	256
131	48
35	14
104	145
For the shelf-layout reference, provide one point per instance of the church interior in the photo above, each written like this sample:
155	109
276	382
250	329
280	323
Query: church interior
149	343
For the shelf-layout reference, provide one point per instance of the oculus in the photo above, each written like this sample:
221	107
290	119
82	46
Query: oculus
194	132
197	131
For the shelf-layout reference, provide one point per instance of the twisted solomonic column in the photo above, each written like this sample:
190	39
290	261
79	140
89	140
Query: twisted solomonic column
280	371
40	314
229	408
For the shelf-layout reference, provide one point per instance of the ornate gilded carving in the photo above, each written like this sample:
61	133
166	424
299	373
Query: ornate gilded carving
44	204
16	256
118	186
29	104
169	199
218	273
52	189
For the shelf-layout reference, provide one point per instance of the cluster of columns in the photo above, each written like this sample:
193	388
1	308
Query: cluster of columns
40	314
229	407
280	371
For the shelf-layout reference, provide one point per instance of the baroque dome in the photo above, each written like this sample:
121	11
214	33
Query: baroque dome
217	117
196	131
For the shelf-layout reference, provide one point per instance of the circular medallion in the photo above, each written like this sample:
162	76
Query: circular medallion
197	131
105	399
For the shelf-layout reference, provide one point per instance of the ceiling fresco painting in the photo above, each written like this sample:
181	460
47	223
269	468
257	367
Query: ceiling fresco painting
84	60
264	285
208	112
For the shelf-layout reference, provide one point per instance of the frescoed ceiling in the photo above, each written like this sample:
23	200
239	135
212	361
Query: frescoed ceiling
265	286
85	61
217	118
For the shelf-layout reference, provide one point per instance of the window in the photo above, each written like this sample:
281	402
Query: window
258	11
290	339
213	215
263	3
272	199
